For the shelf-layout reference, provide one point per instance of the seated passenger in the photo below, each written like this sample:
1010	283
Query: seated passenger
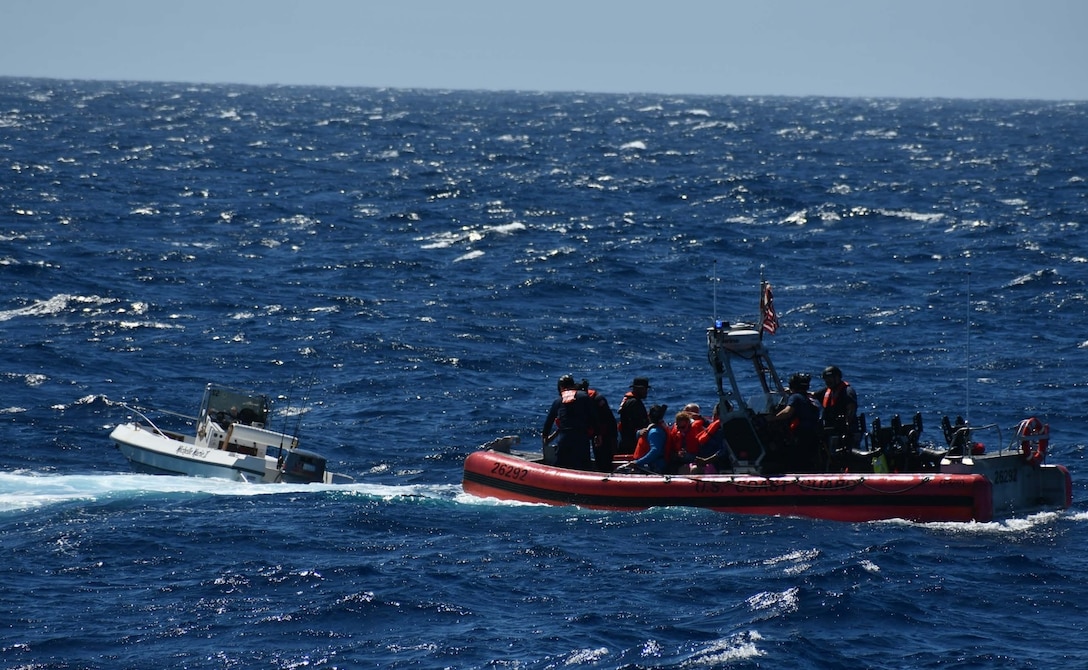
682	446
714	452
651	452
698	421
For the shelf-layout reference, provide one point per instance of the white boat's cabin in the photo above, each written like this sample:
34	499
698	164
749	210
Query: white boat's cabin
226	406
235	421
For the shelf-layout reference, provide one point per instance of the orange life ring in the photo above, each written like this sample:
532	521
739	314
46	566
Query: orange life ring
1034	439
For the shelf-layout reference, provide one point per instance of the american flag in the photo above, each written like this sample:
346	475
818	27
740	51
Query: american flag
766	307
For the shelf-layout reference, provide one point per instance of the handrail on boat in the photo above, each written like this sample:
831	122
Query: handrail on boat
146	419
968	430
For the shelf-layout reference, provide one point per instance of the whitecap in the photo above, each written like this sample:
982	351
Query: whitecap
31	379
469	256
728	651
507	228
153	325
797	218
55	305
584	656
707	125
913	216
782	602
1028	278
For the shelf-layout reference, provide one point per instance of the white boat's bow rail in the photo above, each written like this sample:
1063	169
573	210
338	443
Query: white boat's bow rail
150	424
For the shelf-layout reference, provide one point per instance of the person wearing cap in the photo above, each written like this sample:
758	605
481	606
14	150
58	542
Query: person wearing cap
653	440
840	408
633	416
570	423
802	411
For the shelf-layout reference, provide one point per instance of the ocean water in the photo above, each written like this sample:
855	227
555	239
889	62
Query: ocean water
411	271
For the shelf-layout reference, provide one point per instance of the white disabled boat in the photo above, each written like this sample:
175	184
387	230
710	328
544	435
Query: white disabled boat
231	441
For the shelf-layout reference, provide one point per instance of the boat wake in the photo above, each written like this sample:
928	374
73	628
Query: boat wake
24	490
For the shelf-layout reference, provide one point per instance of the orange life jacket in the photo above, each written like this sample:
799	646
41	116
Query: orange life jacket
832	395
642	447
687	441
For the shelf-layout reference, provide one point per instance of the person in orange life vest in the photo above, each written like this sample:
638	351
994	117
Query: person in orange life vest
684	441
604	429
633	415
713	448
698	425
802	411
840	409
652	443
698	421
570	420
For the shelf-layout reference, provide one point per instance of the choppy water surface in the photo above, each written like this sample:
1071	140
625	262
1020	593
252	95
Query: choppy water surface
412	270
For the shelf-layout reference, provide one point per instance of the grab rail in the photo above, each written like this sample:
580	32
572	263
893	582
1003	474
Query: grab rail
145	418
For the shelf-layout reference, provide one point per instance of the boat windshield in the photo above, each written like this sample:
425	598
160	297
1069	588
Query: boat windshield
229	406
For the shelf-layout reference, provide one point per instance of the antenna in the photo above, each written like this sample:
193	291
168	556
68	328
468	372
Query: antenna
305	399
714	292
967	362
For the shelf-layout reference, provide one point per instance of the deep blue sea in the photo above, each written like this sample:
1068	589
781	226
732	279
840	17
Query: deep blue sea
412	271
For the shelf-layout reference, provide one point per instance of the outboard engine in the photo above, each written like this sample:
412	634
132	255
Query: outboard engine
301	466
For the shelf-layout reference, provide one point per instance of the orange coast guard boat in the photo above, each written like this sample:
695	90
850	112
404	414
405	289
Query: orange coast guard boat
990	487
889	474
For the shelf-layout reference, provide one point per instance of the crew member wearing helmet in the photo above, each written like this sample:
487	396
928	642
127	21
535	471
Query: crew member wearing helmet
570	422
802	411
840	408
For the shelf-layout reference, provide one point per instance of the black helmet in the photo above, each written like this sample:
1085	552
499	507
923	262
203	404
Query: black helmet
657	413
566	382
800	381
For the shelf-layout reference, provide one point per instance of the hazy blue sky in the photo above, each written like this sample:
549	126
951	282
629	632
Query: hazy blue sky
906	48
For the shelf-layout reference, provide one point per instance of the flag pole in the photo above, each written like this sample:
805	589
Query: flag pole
762	301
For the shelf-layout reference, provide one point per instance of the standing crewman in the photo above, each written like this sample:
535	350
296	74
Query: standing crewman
802	411
570	423
604	429
840	409
633	415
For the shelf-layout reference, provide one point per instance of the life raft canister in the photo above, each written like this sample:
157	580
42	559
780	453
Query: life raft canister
1034	439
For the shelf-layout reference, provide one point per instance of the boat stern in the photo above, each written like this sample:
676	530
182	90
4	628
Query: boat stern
1018	486
304	467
